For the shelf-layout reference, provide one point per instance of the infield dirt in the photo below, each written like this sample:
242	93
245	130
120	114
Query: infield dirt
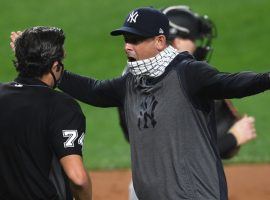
245	182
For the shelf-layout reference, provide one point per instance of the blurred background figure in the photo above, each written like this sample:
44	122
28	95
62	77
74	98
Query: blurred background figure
194	33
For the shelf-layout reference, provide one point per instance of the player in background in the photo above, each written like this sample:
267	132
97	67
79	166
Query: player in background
194	33
42	130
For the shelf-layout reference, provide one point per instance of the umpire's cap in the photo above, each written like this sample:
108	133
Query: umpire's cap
146	22
187	24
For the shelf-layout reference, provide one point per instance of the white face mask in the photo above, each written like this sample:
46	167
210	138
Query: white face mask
154	66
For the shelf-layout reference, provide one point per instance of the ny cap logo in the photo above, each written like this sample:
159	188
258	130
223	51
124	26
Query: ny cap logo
160	31
133	17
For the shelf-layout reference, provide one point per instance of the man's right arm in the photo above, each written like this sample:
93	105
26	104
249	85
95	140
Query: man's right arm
106	93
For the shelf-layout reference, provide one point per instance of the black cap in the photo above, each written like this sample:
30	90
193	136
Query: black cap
147	22
187	24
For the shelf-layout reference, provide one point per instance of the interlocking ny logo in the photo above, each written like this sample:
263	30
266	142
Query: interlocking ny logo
133	17
147	113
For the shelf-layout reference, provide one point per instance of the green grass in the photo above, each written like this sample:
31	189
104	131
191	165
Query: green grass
242	44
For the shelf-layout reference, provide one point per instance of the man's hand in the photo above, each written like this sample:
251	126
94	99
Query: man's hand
13	38
244	130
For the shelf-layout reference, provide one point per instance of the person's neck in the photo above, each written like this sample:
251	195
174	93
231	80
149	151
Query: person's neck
47	79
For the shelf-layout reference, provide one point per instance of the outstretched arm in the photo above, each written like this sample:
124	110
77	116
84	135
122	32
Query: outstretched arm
204	80
107	93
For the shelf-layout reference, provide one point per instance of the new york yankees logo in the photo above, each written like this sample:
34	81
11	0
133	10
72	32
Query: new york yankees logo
133	17
146	116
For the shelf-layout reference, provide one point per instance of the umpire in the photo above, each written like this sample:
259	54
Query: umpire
42	129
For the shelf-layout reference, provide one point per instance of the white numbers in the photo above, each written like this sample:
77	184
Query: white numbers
72	136
80	140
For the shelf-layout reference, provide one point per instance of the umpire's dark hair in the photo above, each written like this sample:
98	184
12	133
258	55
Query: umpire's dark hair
37	49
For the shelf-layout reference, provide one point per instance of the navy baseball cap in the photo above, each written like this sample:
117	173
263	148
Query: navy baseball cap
146	22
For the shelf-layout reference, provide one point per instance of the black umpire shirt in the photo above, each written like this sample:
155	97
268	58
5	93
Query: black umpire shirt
38	126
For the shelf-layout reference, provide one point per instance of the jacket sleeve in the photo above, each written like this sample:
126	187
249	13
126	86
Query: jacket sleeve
202	79
100	93
227	146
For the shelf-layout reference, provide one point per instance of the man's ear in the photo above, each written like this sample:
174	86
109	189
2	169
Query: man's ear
56	66
161	42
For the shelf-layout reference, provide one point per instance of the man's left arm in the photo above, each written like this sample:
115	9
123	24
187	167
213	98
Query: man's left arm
66	135
211	83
